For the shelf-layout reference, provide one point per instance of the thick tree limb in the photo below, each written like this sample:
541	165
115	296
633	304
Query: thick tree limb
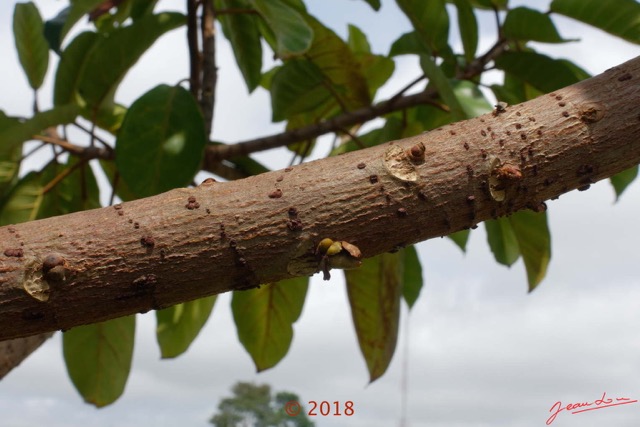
193	242
13	352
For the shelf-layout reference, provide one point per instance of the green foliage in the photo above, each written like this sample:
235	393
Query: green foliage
264	318
622	180
160	137
618	17
375	290
257	404
242	32
33	51
180	324
527	24
99	357
161	141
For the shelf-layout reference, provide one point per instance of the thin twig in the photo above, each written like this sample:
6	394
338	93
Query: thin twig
92	134
408	86
209	67
62	175
32	151
194	50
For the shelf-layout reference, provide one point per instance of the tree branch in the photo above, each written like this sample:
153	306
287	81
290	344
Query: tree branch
194	48
188	243
335	124
209	67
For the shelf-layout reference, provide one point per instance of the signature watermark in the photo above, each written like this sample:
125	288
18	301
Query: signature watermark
579	407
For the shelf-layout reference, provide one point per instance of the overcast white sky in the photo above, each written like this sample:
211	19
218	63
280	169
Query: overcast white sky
480	350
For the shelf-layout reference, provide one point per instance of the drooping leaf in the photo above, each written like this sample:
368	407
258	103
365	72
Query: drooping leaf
140	8
618	17
532	232
621	181
445	89
375	4
71	66
161	141
297	87
98	358
527	24
264	318
33	50
543	73
375	290
460	238
412	276
180	324
468	28
24	131
242	32
502	241
293	34
115	53
430	20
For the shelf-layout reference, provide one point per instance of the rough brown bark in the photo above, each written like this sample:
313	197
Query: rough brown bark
193	242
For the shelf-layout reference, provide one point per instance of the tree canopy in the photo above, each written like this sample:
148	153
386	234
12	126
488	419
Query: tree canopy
320	84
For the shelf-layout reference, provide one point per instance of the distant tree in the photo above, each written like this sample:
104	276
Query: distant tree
254	406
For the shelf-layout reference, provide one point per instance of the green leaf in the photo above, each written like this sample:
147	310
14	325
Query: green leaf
70	67
445	89
408	44
543	73
179	325
468	28
532	232
26	201
115	53
376	69
24	131
487	4
358	42
375	4
293	34
460	238
430	20
297	87
471	98
53	29
161	141
502	241
412	276
375	290
23	200
621	181
527	24
33	50
242	32
264	319
141	8
10	156
98	358
77	10
339	65
618	17
78	191
122	189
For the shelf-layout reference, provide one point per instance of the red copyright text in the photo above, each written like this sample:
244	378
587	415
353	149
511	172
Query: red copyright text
576	408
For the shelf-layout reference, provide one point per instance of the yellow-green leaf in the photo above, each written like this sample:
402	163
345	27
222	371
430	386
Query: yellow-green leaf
179	325
293	34
502	241
98	358
532	232
264	319
412	276
527	24
375	290
621	181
